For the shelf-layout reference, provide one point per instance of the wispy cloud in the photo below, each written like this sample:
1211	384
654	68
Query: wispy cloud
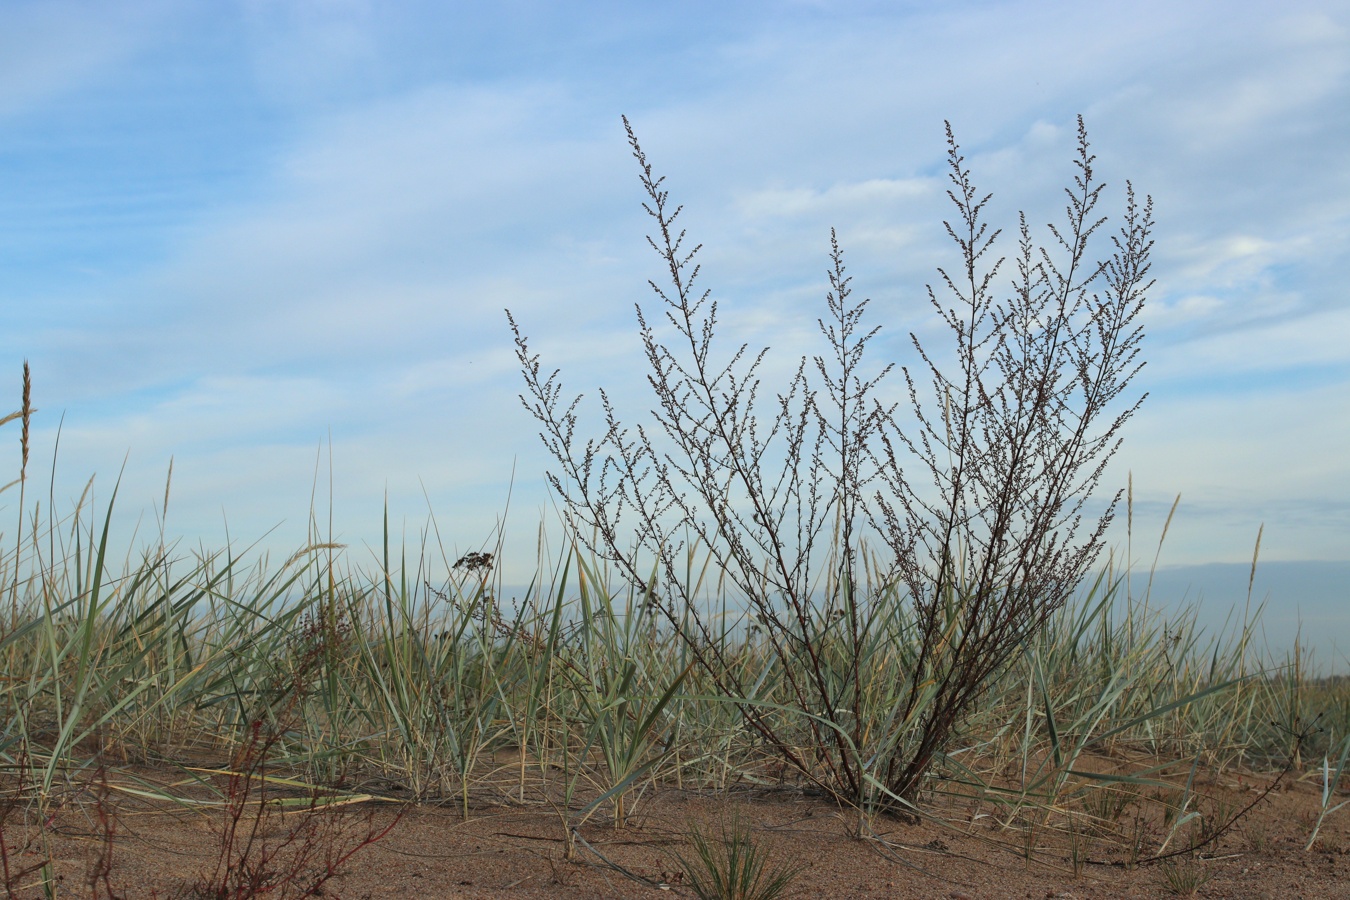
51	47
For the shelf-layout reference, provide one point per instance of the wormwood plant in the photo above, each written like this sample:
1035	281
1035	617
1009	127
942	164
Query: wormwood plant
894	570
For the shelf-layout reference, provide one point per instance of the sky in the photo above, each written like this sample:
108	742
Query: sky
273	241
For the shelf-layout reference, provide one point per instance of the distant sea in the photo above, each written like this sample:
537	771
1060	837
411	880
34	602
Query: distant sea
1309	601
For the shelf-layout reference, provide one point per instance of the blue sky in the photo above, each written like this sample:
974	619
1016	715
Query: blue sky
231	230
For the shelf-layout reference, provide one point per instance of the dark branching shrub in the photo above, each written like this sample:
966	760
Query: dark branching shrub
891	571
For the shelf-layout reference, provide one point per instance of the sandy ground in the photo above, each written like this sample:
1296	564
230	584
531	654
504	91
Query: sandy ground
512	849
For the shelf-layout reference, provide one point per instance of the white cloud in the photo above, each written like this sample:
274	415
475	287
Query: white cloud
1301	63
1164	314
1274	344
51	47
865	198
1231	259
307	52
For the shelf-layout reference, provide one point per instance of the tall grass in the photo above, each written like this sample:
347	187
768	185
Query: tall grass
422	689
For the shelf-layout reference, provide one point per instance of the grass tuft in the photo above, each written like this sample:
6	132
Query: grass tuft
729	864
